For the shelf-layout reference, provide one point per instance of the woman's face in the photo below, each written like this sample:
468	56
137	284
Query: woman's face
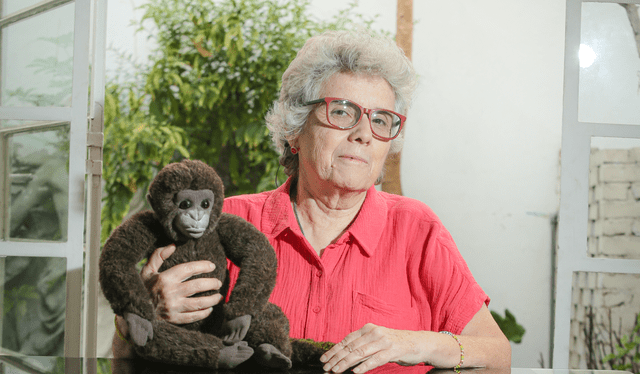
352	159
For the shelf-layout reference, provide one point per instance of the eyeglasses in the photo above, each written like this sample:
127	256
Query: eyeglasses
345	114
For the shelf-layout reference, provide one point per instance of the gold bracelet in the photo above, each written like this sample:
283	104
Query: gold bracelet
457	367
115	322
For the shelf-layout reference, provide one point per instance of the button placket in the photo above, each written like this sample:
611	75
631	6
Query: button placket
315	324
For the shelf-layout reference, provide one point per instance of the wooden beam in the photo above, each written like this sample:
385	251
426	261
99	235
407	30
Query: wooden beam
404	38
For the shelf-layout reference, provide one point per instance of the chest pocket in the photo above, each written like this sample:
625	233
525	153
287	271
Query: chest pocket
370	309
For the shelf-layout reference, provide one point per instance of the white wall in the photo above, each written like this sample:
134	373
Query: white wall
483	138
483	145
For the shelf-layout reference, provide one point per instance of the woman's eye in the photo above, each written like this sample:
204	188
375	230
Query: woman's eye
185	204
339	113
205	204
381	119
379	122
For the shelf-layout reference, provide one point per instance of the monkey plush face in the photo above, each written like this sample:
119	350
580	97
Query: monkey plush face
195	209
185	180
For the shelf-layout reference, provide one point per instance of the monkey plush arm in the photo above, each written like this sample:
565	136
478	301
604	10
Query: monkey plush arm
120	280
250	250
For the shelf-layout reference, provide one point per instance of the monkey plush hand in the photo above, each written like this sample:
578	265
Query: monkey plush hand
186	198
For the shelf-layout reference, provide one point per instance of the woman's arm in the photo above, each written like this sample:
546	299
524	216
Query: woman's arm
371	346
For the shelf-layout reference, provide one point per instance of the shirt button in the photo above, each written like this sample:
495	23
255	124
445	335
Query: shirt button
319	273
316	309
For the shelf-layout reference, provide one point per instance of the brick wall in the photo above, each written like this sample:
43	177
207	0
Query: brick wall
614	203
603	303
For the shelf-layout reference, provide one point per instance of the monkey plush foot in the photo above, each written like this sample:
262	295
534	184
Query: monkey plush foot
233	355
269	356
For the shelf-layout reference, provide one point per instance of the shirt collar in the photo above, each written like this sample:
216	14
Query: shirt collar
366	229
278	215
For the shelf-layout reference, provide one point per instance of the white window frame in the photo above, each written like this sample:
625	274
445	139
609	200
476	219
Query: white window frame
574	188
77	117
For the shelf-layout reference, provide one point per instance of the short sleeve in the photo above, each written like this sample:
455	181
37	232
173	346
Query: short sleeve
446	286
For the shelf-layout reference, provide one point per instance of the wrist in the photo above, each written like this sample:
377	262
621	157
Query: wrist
457	366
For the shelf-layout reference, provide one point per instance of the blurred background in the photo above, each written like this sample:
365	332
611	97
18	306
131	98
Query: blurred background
482	142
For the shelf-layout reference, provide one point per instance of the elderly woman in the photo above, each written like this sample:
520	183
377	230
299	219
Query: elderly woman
375	272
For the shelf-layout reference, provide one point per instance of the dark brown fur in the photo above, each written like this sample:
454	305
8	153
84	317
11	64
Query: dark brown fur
227	236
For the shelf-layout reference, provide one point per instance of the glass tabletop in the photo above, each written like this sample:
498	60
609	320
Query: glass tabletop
62	365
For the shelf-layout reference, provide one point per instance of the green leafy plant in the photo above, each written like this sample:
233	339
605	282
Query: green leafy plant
607	347
138	146
509	326
626	350
215	74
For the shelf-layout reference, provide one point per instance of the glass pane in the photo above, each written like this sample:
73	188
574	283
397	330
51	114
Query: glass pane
614	198
12	6
39	184
603	311
34	302
37	60
609	64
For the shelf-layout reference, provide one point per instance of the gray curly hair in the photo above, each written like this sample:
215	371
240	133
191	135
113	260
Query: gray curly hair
322	56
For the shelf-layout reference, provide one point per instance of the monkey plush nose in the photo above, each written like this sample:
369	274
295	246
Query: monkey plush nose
197	214
193	223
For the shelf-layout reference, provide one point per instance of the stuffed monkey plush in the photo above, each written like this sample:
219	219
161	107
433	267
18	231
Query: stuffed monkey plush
186	198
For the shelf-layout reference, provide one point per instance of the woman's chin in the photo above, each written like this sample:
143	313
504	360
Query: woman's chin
352	185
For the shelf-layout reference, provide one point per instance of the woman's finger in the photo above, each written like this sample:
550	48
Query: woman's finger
340	347
194	304
198	285
182	272
375	360
368	348
346	343
170	281
351	345
189	317
156	260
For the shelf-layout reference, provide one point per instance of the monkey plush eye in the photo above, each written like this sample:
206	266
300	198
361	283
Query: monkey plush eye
185	204
205	204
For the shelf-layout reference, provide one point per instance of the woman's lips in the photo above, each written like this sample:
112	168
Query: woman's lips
354	158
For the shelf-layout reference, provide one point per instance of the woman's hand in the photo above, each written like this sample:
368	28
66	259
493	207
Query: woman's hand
484	346
171	289
373	346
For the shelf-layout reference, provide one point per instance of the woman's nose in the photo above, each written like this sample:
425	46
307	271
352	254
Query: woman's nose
362	131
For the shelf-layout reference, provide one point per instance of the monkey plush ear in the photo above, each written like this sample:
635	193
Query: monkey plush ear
149	200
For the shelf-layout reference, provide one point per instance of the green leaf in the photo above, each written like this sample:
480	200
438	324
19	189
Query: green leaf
511	329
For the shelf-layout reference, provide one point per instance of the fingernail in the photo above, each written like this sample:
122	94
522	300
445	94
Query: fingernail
323	358
212	266
326	367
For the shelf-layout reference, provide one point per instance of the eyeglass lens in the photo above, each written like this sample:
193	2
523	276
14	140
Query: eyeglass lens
345	114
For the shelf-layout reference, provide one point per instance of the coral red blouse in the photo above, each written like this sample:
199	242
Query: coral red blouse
396	266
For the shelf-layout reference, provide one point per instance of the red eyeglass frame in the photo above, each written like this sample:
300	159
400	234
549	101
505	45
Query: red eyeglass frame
363	111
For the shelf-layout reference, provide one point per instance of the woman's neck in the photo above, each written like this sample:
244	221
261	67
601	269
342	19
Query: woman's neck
324	215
